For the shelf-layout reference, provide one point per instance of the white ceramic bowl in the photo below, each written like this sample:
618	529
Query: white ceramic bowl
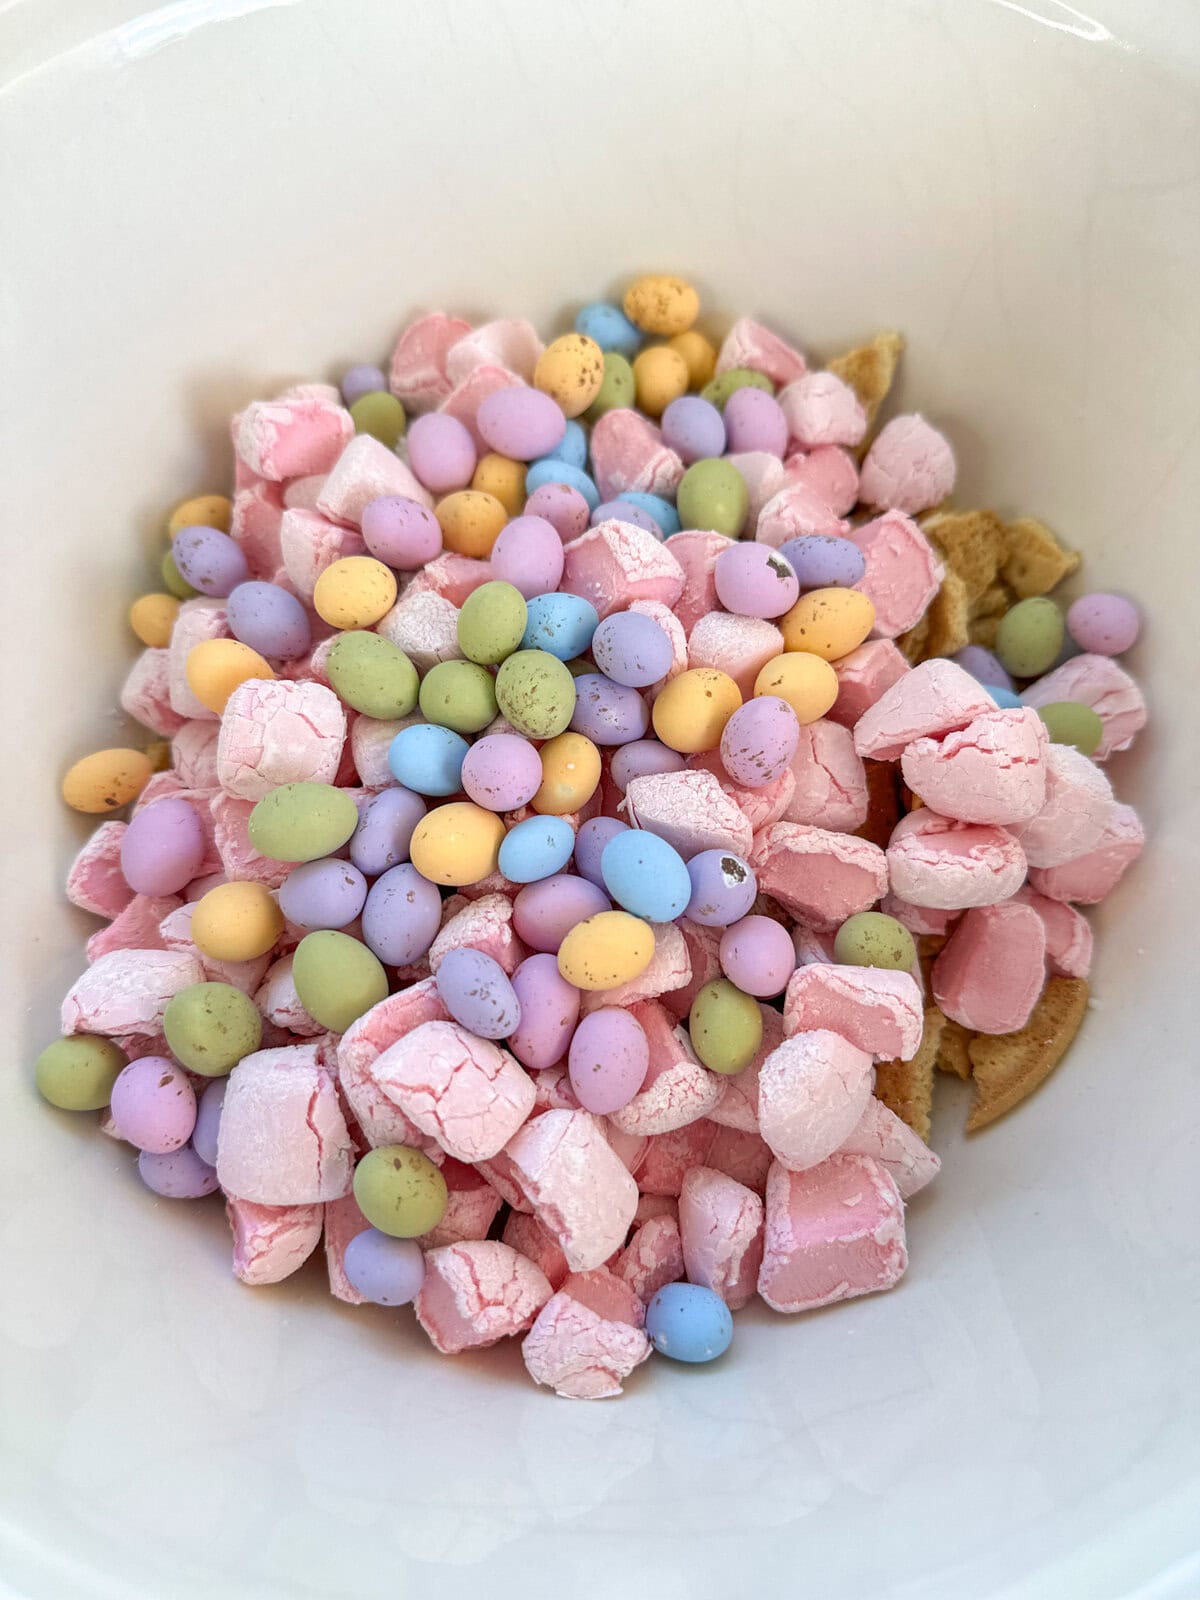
207	200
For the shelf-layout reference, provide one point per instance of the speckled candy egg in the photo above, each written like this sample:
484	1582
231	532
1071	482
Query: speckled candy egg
385	826
608	1060
754	420
693	428
441	452
687	1322
323	894
549	1012
691	710
608	712
828	622
1104	624
752	580
646	875
725	1026
623	510
606	950
154	1105
428	759
400	532
456	844
570	370
302	821
560	624
536	848
544	913
642	759
270	620
590	844
724	888
570	773
758	956
529	555
822	561
337	978
372	675
502	771
401	916
523	424
759	741
536	693
209	560
660	303
632	649
476	992
163	847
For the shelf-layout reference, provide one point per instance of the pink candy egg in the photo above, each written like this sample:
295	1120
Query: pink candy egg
549	1012
521	423
754	420
564	509
501	771
608	1060
154	1105
441	452
545	912
1104	624
759	741
751	579
529	555
400	532
758	956
163	847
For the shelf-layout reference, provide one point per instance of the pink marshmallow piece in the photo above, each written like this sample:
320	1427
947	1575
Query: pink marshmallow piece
829	782
578	1186
811	1092
465	1092
909	467
484	924
690	810
280	439
580	1352
271	1242
677	1090
254	527
1068	934
365	470
452	576
369	743
469	393
880	1134
992	968
417	375
627	452
760	807
935	698
902	573
279	1003
476	1293
195	622
738	646
1103	684
797	510
819	876
721	1229
283	1138
877	1010
616	563
134	928
993	770
343	1222
1077	809
702	946
749	344
310	543
654	1255
917	919
673	628
950	866
763	475
240	861
820	409
741	1155
146	694
863	677
425	627
508	342
832	1232
127	991
274	732
1089	878
471	1207
303	493
738	1105
95	881
364	1041
529	1238
194	754
669	970
830	472
669	1157
696	550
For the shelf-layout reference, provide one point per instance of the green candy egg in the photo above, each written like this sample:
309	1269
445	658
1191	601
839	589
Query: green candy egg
400	1191
302	821
872	939
616	387
459	695
1071	722
337	978
381	415
717	390
1030	636
536	692
712	494
77	1073
211	1026
726	1026
372	675
174	581
491	623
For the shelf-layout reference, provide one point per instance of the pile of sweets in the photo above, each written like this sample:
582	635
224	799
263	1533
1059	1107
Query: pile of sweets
599	785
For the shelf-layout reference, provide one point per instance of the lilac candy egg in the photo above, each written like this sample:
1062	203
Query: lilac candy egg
693	428
589	846
625	511
270	620
323	894
476	992
163	847
608	1060
360	380
549	1012
529	555
642	759
501	772
758	956
209	560
545	912
723	888
154	1105
754	420
1104	624
564	509
759	740
823	561
521	423
384	1270
178	1175
983	666
401	916
385	830
400	532
608	712
441	452
752	580
208	1121
631	649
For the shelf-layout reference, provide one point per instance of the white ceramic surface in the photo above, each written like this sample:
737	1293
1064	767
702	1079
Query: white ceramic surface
203	201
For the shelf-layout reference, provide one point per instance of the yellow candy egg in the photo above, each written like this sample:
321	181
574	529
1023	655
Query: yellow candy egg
602	951
215	668
152	616
829	622
570	370
663	304
700	355
570	773
807	682
355	592
456	844
206	510
236	922
106	780
503	478
471	520
660	375
691	711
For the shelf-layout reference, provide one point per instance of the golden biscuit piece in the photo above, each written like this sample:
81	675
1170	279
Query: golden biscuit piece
952	1054
929	948
971	543
906	1087
947	619
1035	561
993	602
912	644
870	369
984	631
1009	1066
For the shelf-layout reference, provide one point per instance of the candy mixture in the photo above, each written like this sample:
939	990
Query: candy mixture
599	785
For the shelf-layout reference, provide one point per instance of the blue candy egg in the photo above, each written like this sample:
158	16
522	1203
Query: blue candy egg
572	447
1004	698
663	512
609	327
550	470
536	848
428	759
689	1323
645	875
560	624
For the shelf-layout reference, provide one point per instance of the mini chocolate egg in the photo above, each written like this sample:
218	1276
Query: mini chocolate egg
456	844
605	950
828	622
